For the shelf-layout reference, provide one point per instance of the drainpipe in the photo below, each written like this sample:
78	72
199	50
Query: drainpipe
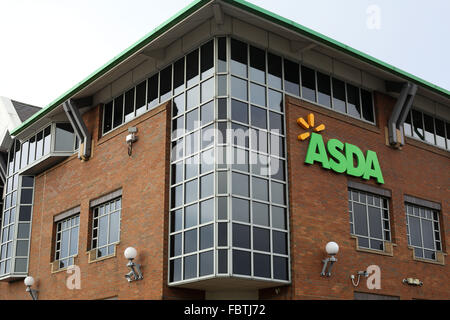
400	111
74	116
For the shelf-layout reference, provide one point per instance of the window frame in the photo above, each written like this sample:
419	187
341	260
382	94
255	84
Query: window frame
59	225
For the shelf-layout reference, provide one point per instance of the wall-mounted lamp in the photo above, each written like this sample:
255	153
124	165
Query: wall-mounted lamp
131	138
29	282
413	282
135	274
360	273
332	249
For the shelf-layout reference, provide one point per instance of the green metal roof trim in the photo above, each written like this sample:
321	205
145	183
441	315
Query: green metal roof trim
249	7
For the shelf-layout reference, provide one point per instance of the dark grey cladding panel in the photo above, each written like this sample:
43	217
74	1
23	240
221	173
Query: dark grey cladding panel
371	189
423	203
24	110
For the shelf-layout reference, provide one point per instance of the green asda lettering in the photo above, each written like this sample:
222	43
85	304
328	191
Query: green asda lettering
341	158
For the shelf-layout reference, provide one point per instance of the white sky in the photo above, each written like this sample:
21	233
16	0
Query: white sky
48	46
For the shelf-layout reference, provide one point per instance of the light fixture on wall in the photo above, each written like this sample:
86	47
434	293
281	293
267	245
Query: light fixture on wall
135	274
332	249
131	138
29	282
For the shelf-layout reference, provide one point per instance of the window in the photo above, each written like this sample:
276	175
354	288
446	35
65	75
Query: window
106	227
369	219
427	128
66	246
423	231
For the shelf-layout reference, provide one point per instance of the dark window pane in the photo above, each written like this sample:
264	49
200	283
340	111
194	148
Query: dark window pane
107	125
279	242
140	98
223	208
308	84
175	245
32	153
190	241
176	220
238	58
177	149
257	65
418	124
260	189
291	77
129	105
192	75
178	127
339	95
367	105
165	86
179	104
407	125
207	59
274	71
259	117
261	263
118	111
261	239
440	133
428	237
240	210
222	132
360	217
152	98
176	196
222	184
353	106
178	76
276	122
447	128
429	128
223	261
26	196
278	193
206	263
280	268
278	217
241	262
375	223
376	244
414	231
277	169
276	145
206	237
175	270
222	237
222	109
239	111
222	55
324	89
240	184
418	252
190	267
241	236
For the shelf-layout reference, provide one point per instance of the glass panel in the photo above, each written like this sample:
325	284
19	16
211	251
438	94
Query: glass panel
308	84
339	95
177	196
257	65
207	113
176	220
278	193
192	144
241	210
118	111
323	89
240	135
207	211
429	128
276	145
274	71
207	161
222	109
276	123
64	137
240	184
23	231
222	208
191	191
193	97
207	90
222	133
47	139
414	231
190	216
241	262
278	217
360	219
22	248
32	153
190	267
114	227
190	241
259	140
260	189
261	263
192	67
207	186
103	231
179	105
206	263
129	105
26	196
107	125
223	261
178	76
367	105
241	236
275	100
222	236
418	124
259	117
178	127
141	92
177	149
192	120
175	270
152	97
261	239
222	182
206	237
280	268
427	232
239	58
353	105
257	94
260	214
207	59
239	111
222	55
291	77
239	88
73	241
277	169
279	242
240	160
376	229
440	133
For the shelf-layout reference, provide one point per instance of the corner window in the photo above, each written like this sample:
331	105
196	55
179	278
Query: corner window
66	244
423	231
369	219
106	227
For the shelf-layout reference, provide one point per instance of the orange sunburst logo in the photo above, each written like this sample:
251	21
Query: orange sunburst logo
307	125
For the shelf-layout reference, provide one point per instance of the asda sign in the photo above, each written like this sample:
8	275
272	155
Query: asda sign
340	157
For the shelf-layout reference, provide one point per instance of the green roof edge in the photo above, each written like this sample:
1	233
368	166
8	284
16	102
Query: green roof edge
250	8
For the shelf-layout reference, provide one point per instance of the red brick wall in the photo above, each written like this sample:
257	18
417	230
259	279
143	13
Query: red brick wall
319	210
143	178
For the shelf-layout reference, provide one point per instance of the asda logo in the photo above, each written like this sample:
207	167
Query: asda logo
338	156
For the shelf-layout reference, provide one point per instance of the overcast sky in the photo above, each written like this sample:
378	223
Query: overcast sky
48	46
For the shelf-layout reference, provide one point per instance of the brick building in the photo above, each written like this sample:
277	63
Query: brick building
229	146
